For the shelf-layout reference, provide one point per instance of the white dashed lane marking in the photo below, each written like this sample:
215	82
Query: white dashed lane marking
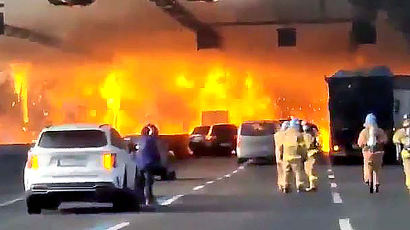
170	200
119	226
235	171
210	182
198	187
228	175
10	202
337	199
344	224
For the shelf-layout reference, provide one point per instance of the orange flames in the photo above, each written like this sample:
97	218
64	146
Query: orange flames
241	96
20	74
132	92
111	91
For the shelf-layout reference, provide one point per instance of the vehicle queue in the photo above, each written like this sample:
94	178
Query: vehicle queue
129	168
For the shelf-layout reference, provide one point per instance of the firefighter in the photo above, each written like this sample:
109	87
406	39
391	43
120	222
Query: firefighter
372	140
292	156
278	149
402	139
312	150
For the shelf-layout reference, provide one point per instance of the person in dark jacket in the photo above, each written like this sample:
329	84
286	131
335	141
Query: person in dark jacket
148	160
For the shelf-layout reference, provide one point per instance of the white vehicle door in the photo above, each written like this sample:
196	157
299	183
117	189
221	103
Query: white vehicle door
124	157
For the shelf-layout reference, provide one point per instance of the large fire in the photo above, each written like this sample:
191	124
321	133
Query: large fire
20	74
111	91
130	93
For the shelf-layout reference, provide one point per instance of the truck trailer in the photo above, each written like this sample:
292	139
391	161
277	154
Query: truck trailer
353	95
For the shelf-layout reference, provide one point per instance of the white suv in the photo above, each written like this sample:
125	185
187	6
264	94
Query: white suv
80	163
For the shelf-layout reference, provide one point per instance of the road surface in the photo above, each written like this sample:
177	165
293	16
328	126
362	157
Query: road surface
216	193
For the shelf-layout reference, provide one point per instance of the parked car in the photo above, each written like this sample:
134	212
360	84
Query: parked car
256	140
197	139
221	139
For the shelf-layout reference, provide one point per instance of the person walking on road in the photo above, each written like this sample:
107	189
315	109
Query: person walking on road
402	139
312	150
291	153
372	140
148	161
279	161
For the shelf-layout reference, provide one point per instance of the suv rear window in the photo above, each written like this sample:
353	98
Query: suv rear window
224	130
73	139
257	129
203	130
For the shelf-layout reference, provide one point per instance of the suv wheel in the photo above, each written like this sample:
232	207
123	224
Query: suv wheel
126	199
51	204
33	206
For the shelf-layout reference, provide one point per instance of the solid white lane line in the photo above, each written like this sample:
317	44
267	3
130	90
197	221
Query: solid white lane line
344	224
235	171
337	199
210	182
198	187
331	176
7	203
119	226
333	185
171	200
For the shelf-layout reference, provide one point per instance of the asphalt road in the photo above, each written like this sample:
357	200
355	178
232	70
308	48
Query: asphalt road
216	193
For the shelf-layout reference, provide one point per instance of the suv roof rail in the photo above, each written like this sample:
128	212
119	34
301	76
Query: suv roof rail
105	126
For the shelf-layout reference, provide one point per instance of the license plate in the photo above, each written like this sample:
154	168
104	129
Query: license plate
226	144
79	161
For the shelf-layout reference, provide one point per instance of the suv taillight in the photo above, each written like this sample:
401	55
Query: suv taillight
109	161
32	161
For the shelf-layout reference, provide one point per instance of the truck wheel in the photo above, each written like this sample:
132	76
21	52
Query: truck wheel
334	160
33	206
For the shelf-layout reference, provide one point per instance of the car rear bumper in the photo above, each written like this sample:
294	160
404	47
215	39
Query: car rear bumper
355	153
196	145
246	154
94	191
